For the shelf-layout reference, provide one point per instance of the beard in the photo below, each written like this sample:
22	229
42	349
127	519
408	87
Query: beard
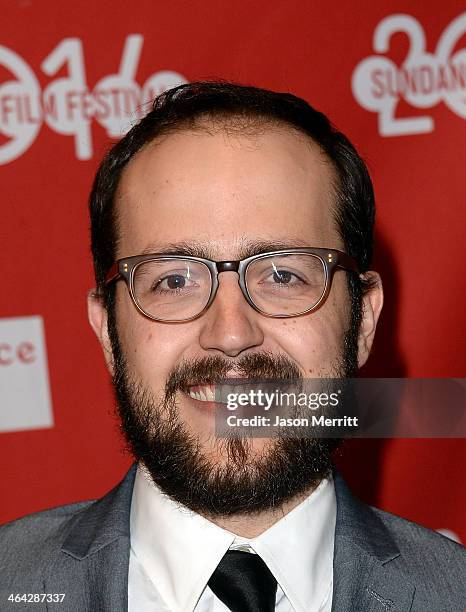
246	481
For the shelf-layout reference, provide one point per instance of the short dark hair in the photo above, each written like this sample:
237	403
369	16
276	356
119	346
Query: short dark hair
192	105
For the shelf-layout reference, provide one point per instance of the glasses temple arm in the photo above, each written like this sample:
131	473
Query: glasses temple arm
347	262
112	275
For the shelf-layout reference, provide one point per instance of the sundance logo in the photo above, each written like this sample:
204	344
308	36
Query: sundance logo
24	381
423	80
67	105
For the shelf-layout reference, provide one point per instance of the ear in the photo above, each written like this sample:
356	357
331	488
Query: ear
97	314
372	303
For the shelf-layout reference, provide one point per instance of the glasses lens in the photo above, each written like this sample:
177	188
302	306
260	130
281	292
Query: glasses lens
172	289
286	284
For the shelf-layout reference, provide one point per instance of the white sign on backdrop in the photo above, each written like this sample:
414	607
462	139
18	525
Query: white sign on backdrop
423	80
24	381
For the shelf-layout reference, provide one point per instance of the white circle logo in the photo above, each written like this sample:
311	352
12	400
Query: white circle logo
66	105
423	80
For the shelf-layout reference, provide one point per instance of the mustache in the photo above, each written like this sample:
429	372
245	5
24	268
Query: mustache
211	370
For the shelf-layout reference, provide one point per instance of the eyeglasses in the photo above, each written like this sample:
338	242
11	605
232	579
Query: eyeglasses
281	284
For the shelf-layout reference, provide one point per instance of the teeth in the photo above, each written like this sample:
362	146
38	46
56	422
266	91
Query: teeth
206	393
218	393
214	393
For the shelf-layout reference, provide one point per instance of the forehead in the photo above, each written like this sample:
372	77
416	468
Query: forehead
224	191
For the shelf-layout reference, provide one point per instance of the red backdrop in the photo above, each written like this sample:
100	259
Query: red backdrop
59	109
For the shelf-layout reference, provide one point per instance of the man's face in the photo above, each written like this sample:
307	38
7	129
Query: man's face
219	194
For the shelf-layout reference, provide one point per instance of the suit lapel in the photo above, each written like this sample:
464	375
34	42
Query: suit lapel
92	566
369	573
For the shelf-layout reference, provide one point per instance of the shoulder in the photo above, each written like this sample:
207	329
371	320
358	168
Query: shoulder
37	547
408	560
388	535
39	525
426	555
413	538
30	543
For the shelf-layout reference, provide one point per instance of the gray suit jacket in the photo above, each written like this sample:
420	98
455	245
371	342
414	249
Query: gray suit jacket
382	563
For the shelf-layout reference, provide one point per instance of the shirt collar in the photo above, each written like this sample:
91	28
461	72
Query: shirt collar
167	538
298	549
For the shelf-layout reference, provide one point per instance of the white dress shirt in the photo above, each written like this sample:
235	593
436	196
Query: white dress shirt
174	551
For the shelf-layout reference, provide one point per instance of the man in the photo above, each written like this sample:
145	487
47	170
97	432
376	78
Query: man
231	235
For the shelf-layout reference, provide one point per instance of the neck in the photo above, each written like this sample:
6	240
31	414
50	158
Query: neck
252	525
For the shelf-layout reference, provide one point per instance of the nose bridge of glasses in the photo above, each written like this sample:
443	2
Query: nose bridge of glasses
227	266
230	266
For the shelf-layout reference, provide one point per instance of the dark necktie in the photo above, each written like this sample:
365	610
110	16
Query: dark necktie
244	583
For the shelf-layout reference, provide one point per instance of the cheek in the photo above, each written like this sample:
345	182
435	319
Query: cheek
315	341
151	349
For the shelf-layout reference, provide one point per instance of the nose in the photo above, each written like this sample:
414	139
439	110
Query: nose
230	325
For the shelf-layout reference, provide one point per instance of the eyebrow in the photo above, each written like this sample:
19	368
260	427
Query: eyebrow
204	249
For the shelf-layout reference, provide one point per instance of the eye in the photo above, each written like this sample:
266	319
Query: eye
282	276
172	281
